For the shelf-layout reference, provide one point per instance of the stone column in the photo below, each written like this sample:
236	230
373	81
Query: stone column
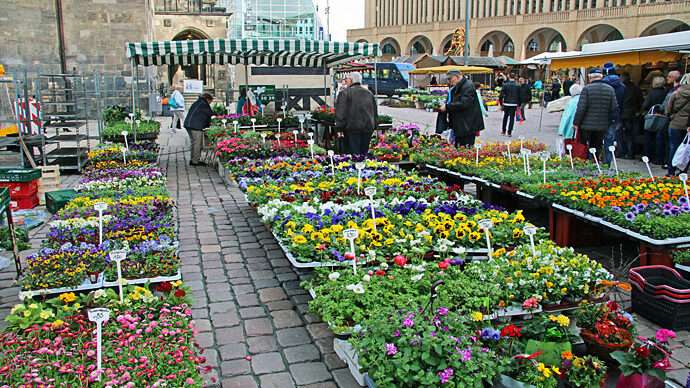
572	5
523	7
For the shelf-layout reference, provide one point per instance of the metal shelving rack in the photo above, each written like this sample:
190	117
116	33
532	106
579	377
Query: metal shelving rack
65	108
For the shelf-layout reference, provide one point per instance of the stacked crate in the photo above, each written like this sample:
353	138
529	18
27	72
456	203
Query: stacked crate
23	186
50	181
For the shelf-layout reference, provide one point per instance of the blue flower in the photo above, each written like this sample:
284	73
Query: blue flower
630	216
490	334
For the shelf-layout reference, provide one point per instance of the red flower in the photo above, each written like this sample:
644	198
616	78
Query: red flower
164	287
380	272
612	305
180	293
511	331
400	260
349	256
642	352
443	265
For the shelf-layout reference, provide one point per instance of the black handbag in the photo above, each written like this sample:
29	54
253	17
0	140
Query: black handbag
441	122
655	122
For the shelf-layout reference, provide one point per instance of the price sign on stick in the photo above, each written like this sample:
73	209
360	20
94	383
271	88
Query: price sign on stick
124	135
278	138
477	146
100	207
612	149
311	147
136	129
645	160
359	166
486	224
294	133
253	120
235	124
510	156
371	192
528	153
544	156
593	151
330	156
684	178
569	147
530	231
117	256
279	120
283	106
311	135
351	235
301	119
522	141
100	316
224	121
263	137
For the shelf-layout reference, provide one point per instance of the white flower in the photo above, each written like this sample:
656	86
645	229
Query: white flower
359	289
384	266
334	276
99	294
366	278
350	287
417	278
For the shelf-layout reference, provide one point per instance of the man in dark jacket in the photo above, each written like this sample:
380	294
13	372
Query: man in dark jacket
567	84
632	101
355	114
197	120
510	101
464	112
611	78
596	111
525	96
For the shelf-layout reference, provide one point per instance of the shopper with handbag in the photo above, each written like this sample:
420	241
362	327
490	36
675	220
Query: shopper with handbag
656	122
678	109
596	111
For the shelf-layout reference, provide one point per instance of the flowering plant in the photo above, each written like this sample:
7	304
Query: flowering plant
606	323
582	372
416	348
650	356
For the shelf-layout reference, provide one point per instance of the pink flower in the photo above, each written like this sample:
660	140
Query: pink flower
664	364
189	381
663	335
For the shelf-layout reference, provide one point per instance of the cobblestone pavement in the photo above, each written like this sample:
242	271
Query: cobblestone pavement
248	306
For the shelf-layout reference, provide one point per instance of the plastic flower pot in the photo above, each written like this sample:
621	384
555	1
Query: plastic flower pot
602	350
639	381
93	276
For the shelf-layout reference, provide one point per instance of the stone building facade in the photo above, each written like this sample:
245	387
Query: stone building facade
515	28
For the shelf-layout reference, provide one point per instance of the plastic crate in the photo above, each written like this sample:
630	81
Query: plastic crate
21	189
56	200
19	174
660	310
660	280
28	202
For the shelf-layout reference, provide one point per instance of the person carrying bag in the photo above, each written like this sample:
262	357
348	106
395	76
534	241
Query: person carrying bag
655	120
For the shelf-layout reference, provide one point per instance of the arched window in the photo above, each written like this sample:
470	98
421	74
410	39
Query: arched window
557	44
388	49
533	45
486	46
508	47
418	48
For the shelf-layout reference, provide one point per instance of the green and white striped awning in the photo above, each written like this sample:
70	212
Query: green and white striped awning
272	52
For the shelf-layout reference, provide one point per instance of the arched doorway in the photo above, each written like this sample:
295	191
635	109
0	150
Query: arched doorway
390	48
420	45
543	40
496	43
599	33
191	71
665	27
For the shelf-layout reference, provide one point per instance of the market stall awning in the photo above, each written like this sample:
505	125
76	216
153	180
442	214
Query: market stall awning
445	69
272	52
635	51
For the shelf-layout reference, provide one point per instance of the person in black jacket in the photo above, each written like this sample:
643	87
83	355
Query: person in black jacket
632	101
567	84
655	142
197	120
356	113
525	96
555	89
510	101
464	112
597	109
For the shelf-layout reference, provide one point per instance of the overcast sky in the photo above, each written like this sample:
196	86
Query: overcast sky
345	14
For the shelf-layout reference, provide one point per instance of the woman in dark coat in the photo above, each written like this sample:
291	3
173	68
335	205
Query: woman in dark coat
655	142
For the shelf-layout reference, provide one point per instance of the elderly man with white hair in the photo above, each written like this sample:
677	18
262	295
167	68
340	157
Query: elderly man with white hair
596	111
355	115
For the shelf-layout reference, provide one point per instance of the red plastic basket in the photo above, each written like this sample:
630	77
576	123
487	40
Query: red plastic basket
21	189
661	281
28	202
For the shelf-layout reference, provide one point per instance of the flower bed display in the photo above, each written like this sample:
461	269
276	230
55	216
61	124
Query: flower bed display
146	129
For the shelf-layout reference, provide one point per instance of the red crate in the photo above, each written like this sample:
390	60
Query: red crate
21	189
28	202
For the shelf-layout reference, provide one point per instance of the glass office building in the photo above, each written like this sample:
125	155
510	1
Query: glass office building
275	19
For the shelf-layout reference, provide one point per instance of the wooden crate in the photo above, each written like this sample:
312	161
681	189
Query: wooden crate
50	181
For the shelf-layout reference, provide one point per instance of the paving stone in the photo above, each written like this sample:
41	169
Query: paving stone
243	289
309	372
267	363
262	274
252	312
236	281
235	367
271	294
202	325
262	344
222	307
229	335
276	380
247	300
232	351
293	336
325	345
319	330
205	340
302	353
326	384
286	318
225	319
280	305
332	361
266	283
259	326
212	357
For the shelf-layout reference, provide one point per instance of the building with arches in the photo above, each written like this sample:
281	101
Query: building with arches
515	28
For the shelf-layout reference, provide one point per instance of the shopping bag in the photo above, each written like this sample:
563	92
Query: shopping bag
441	122
449	135
655	121
682	156
579	149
